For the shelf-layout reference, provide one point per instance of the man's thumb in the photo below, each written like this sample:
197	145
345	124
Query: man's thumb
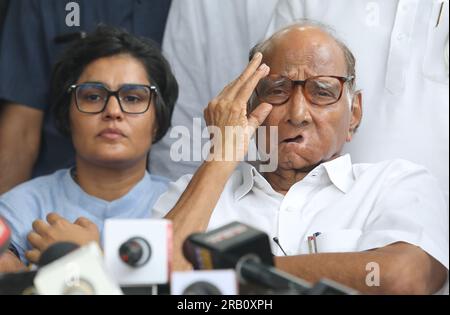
258	115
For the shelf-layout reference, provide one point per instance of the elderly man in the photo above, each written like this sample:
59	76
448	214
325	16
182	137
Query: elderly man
390	215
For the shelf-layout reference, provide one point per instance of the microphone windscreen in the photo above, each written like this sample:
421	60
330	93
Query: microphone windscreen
56	251
17	283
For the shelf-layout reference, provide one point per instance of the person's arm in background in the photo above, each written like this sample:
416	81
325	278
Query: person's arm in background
20	135
24	78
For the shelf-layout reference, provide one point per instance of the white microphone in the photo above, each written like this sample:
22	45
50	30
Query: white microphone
80	272
138	252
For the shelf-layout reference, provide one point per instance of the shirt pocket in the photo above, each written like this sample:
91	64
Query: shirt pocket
435	63
338	241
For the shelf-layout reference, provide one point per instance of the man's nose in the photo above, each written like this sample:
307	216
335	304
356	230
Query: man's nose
298	108
112	109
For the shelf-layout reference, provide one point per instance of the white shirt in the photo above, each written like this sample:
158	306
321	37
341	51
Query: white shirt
402	68
207	44
355	207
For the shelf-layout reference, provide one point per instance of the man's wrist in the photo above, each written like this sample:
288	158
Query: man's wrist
220	166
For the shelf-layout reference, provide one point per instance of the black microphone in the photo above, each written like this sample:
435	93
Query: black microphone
17	283
5	236
55	252
135	252
245	249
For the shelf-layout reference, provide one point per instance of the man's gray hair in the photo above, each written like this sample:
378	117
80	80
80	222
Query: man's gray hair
349	57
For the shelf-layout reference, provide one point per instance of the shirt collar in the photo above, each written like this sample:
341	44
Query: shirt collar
339	172
247	181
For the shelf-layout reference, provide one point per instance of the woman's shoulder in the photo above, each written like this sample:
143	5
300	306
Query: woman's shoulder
37	187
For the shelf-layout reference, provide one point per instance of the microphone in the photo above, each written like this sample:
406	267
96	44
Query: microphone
202	288
17	283
138	251
79	272
247	250
223	247
204	282
55	252
135	252
5	236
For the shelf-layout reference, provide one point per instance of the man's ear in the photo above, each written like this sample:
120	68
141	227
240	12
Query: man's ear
356	115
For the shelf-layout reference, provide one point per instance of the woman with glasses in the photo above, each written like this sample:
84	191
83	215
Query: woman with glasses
113	94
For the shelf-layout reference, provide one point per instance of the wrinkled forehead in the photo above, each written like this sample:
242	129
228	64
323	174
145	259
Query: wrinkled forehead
305	52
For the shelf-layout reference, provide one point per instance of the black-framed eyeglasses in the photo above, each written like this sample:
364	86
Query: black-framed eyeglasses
92	98
318	90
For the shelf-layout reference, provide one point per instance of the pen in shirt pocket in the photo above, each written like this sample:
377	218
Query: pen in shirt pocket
312	243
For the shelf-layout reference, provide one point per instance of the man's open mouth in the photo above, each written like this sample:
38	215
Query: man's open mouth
297	139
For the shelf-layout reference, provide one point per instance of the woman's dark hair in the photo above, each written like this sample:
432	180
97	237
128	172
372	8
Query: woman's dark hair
109	41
